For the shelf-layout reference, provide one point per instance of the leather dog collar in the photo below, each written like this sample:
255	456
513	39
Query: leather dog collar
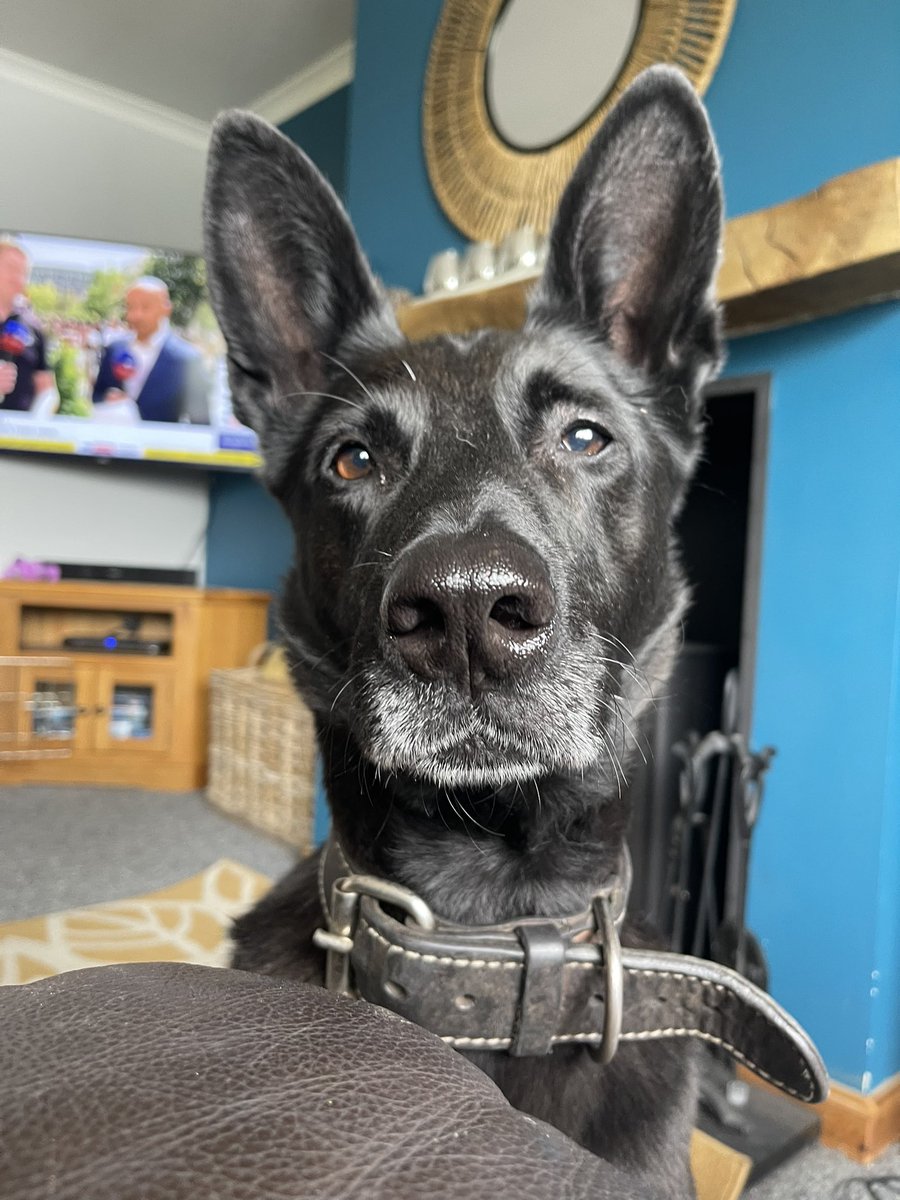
529	985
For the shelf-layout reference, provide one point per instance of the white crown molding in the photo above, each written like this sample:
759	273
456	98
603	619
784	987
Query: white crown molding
328	73
112	102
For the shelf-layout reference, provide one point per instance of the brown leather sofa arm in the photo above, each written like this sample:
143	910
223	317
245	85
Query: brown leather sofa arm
163	1081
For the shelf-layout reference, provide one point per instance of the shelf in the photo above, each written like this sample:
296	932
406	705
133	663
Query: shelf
43	629
831	250
93	657
113	594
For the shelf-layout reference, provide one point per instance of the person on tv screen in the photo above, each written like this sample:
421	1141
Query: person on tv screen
26	382
160	373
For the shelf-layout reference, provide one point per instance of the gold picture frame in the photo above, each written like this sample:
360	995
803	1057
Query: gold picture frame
487	187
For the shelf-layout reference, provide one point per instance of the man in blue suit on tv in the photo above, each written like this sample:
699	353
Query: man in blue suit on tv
164	376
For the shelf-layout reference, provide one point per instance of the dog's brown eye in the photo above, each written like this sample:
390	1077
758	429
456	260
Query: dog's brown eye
585	439
353	462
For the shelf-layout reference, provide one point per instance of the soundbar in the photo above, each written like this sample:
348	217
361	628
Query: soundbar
181	576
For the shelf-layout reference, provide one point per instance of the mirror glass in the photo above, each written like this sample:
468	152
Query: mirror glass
550	63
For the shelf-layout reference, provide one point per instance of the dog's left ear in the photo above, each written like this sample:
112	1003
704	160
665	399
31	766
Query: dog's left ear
635	244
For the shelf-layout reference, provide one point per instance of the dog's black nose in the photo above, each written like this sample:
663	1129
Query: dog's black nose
473	608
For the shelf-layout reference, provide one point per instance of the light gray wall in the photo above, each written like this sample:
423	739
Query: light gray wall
120	514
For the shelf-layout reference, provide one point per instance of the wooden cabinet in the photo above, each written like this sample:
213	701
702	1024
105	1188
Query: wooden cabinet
103	714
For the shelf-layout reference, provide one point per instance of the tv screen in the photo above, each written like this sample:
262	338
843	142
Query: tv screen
113	351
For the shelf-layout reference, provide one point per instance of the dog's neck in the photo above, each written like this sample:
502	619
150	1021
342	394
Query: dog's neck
540	848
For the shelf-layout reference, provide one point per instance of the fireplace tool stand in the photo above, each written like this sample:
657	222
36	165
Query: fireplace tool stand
720	794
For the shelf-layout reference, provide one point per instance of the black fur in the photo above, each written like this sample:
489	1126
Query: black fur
491	792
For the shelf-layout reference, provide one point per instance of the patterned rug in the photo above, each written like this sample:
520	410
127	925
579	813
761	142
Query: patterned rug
186	922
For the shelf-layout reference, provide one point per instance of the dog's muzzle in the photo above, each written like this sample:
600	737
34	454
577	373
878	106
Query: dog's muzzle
529	985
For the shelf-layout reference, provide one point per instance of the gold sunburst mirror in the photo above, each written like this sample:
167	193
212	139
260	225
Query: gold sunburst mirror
515	89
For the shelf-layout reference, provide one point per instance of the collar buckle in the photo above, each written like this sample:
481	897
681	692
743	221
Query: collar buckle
342	914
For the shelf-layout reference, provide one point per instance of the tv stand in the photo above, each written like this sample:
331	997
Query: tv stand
126	714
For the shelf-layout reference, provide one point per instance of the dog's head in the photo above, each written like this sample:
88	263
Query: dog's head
485	588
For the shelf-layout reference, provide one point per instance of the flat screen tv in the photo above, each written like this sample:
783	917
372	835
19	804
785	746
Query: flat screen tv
112	351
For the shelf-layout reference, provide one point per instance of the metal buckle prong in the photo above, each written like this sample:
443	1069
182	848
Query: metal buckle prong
337	939
336	942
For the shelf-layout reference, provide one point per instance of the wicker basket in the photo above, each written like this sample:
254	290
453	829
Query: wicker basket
262	754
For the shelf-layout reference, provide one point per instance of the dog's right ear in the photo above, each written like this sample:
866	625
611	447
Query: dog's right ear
287	277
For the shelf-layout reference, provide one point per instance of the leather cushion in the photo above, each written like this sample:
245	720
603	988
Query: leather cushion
162	1081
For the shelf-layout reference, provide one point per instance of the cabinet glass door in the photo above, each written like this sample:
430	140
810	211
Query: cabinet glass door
53	707
132	715
134	712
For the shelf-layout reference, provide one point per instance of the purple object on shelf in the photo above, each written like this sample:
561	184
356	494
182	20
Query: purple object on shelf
32	572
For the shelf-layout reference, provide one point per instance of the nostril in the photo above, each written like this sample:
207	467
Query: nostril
415	616
511	613
525	612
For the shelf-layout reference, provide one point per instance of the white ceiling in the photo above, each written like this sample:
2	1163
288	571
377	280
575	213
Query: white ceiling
195	56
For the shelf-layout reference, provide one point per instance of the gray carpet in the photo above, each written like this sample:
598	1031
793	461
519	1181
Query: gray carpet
64	847
819	1174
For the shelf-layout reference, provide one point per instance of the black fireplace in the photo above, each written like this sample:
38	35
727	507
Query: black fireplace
720	530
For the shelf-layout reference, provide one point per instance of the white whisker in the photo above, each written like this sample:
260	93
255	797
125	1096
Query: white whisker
337	362
344	688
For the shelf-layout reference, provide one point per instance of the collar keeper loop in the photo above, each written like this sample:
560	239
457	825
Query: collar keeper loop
540	1000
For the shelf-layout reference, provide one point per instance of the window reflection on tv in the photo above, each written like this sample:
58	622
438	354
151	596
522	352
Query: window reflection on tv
112	351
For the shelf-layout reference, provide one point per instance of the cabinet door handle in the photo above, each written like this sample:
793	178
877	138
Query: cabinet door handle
99	710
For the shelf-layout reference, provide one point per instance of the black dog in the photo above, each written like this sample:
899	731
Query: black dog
485	592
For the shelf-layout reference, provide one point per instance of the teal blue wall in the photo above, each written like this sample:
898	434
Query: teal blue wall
805	91
399	222
824	891
248	540
321	131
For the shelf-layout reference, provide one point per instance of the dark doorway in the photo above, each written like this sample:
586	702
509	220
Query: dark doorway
720	530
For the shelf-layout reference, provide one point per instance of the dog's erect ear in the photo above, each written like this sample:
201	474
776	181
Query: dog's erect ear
635	244
287	277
